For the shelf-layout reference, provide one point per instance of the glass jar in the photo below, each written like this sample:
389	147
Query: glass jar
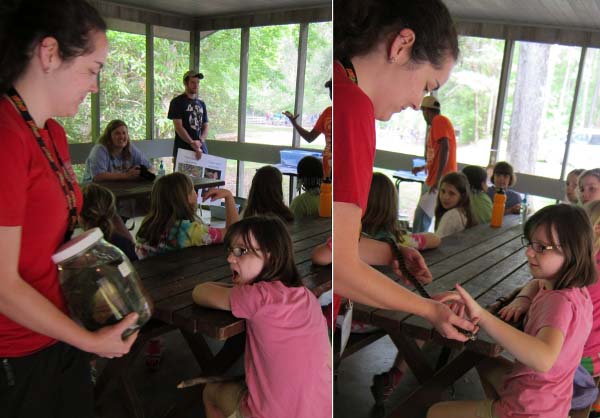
99	283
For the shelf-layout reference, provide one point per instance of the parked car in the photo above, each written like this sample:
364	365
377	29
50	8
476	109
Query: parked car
586	136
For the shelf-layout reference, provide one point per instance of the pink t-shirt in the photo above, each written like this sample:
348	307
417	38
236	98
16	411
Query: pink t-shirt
592	345
287	351
530	394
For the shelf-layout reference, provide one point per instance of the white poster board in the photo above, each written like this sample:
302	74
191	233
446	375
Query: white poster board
209	166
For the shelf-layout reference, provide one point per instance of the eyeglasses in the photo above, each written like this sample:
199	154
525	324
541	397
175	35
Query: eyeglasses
537	247
239	251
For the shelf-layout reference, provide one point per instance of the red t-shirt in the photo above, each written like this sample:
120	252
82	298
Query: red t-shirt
441	127
354	143
31	197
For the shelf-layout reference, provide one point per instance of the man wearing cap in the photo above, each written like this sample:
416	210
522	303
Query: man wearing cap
440	153
189	117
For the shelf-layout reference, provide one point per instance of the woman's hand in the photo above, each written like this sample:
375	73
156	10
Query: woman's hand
133	172
216	194
107	341
291	117
447	322
415	264
452	300
513	311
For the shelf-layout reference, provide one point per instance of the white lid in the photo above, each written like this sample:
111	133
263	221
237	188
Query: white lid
77	244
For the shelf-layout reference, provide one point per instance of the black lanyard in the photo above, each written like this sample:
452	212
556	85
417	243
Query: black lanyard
349	68
63	175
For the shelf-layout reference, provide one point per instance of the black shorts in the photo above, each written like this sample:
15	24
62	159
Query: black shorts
52	383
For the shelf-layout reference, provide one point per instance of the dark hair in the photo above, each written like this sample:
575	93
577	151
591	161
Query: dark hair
573	229
23	24
98	208
310	172
266	194
106	138
382	209
476	176
359	26
168	206
460	182
503	167
275	243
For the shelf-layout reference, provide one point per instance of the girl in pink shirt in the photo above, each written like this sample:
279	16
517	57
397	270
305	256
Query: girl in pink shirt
288	356
559	249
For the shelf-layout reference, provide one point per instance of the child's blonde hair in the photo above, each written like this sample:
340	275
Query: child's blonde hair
382	208
169	204
593	212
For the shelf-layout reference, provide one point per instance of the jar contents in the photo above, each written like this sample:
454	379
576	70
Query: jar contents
101	286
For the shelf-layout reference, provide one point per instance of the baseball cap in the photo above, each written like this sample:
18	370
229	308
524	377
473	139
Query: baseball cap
192	73
430	102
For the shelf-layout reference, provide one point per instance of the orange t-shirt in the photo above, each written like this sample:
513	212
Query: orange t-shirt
323	125
441	127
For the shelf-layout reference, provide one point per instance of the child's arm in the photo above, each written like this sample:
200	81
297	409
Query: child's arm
231	213
538	352
521	303
212	295
426	240
321	254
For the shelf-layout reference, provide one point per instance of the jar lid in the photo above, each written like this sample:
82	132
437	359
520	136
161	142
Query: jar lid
76	245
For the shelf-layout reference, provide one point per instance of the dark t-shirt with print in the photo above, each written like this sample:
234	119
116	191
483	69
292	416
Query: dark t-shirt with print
193	115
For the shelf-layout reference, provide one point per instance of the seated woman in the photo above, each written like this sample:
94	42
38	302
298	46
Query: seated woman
266	195
310	173
504	177
114	157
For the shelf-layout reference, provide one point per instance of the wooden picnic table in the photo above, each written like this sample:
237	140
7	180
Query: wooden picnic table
169	280
490	264
142	188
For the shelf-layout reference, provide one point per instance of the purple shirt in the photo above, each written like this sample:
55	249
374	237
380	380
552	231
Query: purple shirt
287	359
526	393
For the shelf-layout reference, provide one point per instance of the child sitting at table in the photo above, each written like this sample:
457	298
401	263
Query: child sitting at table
481	204
288	356
589	185
504	177
560	252
99	210
310	174
172	223
381	217
571	186
453	208
266	195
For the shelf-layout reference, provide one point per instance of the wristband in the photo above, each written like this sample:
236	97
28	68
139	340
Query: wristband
524	296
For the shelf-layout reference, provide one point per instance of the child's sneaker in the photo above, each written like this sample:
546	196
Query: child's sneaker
154	352
384	384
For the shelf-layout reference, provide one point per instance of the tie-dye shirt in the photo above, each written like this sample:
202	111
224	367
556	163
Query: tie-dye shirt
182	235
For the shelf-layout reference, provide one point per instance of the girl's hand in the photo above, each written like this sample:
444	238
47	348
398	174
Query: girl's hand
516	209
513	311
414	263
108	342
473	309
216	194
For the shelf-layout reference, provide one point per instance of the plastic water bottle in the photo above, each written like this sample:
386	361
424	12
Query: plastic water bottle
325	198
524	209
161	169
498	208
